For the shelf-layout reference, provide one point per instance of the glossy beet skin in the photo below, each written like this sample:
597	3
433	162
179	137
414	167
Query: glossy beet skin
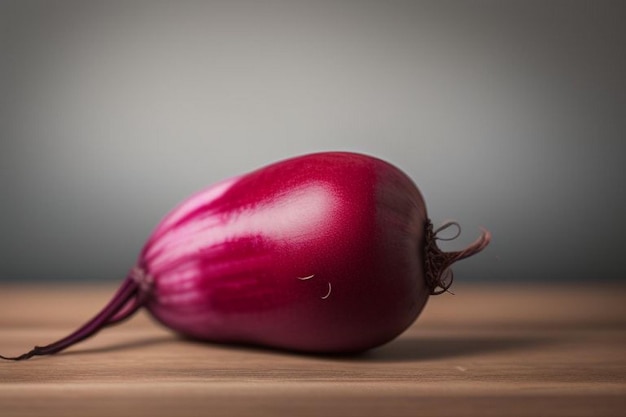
318	253
328	253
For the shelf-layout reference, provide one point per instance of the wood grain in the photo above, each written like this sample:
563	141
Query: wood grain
486	351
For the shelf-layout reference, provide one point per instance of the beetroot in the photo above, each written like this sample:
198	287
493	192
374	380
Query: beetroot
328	252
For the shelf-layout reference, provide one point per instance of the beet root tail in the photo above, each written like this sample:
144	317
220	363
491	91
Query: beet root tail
126	301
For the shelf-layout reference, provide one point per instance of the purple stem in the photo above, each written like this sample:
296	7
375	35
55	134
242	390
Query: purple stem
126	301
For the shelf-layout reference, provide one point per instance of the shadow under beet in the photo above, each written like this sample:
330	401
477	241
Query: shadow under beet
399	350
432	348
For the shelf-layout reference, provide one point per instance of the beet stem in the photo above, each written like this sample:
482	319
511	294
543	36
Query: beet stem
128	299
439	276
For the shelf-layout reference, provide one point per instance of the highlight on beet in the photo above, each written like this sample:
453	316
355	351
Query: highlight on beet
331	252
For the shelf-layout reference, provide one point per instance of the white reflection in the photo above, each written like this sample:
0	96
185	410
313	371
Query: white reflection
297	216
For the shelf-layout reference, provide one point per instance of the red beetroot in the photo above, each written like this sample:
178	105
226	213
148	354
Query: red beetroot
328	252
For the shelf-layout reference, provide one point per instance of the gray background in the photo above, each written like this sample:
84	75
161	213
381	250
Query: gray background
509	115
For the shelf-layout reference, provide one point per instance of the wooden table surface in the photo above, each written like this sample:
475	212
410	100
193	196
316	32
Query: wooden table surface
489	350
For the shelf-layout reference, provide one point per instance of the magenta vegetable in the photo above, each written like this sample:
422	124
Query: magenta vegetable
328	252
